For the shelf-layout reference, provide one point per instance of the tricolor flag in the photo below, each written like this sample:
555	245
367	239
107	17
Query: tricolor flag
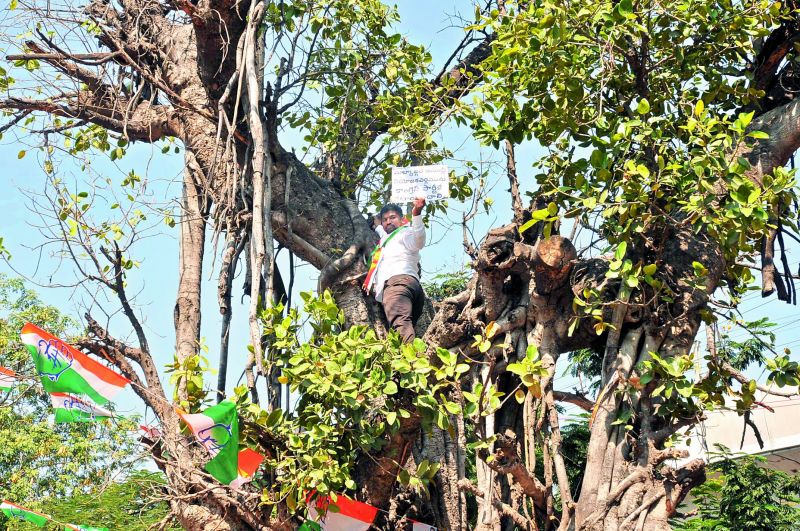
351	515
64	369
217	429
15	511
73	527
70	408
249	461
7	379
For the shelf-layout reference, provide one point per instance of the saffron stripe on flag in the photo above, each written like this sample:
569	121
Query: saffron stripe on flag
249	461
63	368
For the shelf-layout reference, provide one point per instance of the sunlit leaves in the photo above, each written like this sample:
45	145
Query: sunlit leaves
354	389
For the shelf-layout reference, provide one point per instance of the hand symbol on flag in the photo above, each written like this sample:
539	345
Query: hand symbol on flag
216	437
53	349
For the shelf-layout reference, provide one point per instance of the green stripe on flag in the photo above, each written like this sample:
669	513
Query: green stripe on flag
225	465
74	415
308	525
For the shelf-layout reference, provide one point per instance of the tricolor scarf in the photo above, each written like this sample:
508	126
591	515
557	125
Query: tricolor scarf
377	254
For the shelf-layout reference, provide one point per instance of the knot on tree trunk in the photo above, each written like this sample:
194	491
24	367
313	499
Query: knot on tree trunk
497	251
551	260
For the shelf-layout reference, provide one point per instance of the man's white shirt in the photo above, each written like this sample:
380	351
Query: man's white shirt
401	254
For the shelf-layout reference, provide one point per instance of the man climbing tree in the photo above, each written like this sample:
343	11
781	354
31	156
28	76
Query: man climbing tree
394	270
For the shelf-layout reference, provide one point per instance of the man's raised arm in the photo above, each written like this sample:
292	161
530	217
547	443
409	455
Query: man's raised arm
415	237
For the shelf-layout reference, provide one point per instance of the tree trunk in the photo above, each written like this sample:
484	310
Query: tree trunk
190	266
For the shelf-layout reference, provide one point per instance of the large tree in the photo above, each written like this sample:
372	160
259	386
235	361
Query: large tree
667	129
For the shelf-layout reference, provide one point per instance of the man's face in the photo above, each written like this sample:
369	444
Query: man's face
391	220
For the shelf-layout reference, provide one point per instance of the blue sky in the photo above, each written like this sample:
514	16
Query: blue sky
156	280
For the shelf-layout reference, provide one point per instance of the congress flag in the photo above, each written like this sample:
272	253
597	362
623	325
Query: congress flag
217	429
64	369
70	408
15	511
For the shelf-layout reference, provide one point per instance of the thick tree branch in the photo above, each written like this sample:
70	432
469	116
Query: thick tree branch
62	63
782	124
145	122
574	399
507	462
741	378
765	65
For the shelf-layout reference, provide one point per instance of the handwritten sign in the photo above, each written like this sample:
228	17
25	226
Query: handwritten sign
430	181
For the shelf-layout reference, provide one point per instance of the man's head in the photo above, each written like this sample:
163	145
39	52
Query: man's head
391	217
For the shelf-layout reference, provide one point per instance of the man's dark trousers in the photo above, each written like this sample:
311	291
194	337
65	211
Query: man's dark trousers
403	300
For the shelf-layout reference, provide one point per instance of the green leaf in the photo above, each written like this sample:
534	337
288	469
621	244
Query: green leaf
452	407
746	118
274	417
699	107
622	248
643	107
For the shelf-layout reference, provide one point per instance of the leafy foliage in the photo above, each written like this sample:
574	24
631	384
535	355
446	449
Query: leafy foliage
129	504
446	284
353	388
744	494
664	150
741	354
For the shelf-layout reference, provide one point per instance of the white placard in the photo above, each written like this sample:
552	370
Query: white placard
430	181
